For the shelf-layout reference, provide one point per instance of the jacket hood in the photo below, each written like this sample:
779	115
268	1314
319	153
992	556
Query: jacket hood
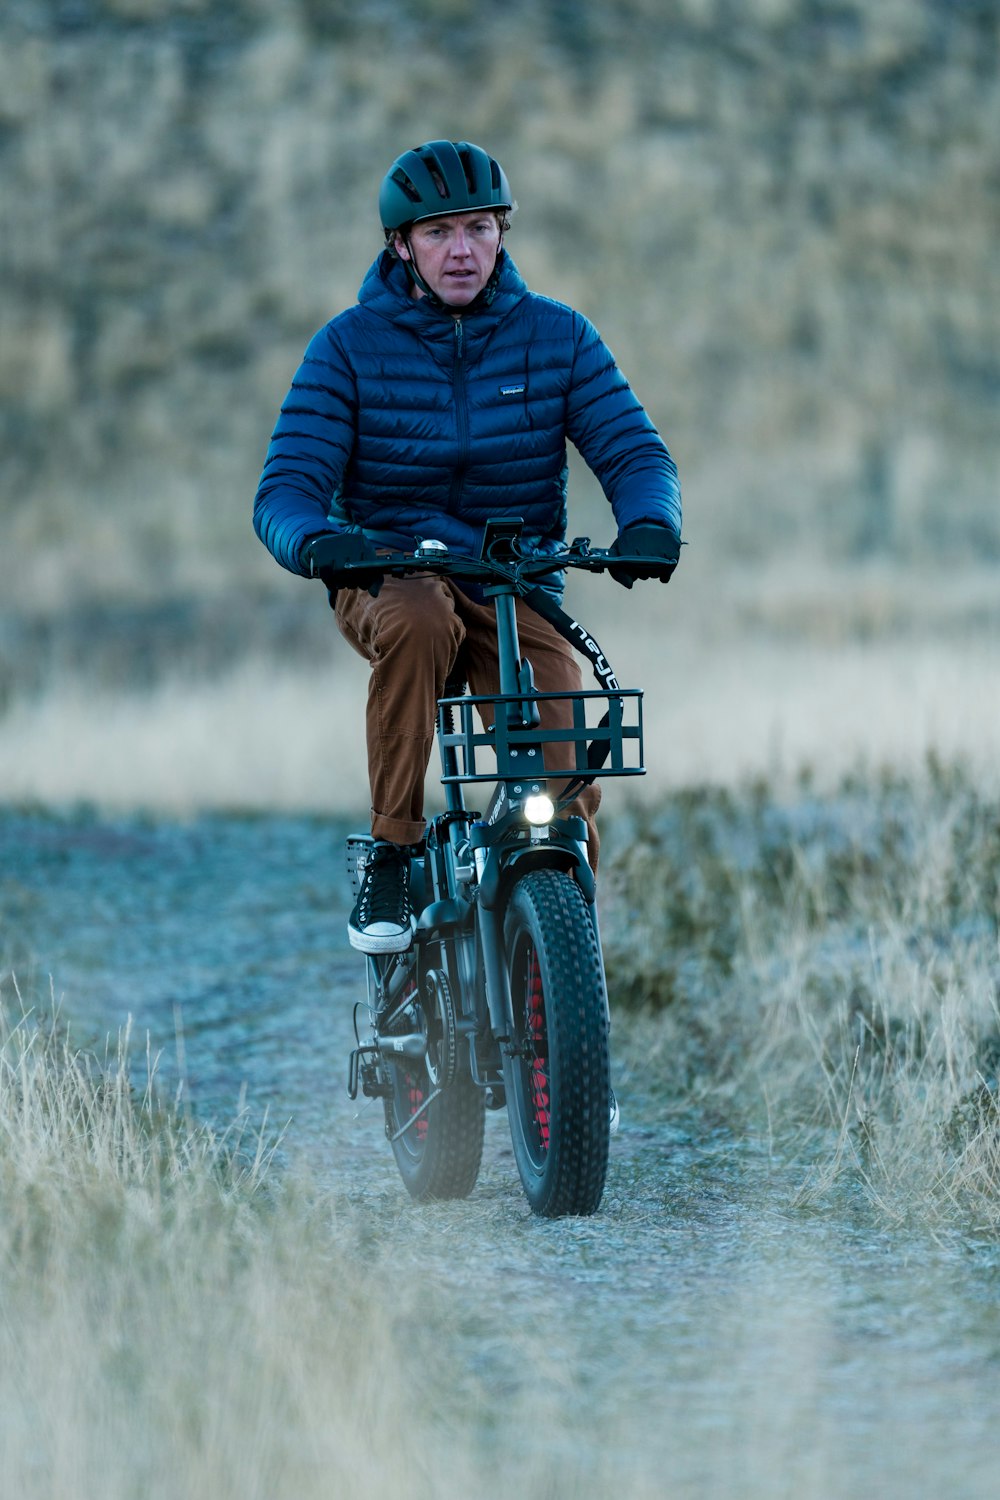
385	291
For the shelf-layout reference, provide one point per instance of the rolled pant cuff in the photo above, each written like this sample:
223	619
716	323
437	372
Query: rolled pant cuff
397	830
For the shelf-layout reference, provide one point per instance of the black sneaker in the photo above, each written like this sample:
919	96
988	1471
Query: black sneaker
383	920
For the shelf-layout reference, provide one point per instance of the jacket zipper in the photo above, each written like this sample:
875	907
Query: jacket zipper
461	417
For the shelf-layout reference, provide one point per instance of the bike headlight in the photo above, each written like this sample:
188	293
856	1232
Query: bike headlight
538	808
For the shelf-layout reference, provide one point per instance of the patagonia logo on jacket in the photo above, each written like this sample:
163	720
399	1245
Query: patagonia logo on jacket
513	390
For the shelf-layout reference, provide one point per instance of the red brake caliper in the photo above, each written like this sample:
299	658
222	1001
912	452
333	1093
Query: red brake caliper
539	1072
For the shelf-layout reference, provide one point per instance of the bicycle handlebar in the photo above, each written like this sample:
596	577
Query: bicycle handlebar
519	570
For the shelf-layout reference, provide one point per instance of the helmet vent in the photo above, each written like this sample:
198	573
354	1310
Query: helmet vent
465	157
401	180
430	161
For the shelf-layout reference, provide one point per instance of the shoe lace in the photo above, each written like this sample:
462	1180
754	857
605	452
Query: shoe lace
385	893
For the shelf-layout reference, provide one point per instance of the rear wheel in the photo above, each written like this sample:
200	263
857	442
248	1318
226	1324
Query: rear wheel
558	1076
439	1151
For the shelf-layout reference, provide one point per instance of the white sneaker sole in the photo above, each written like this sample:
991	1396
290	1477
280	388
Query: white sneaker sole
371	942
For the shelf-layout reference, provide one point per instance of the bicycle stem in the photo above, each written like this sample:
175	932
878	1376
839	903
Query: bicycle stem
508	645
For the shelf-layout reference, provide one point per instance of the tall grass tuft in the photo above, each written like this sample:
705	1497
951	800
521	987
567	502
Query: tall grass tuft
830	967
174	1322
70	1119
180	1319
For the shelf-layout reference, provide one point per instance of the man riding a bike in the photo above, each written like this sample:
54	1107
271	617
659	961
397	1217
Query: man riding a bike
442	400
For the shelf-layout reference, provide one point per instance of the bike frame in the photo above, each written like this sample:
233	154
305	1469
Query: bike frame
469	862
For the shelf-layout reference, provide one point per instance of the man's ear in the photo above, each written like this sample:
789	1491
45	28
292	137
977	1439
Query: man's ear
400	246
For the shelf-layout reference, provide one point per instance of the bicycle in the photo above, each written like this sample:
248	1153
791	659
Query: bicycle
501	1000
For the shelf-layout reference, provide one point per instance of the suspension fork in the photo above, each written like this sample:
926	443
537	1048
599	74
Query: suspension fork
498	999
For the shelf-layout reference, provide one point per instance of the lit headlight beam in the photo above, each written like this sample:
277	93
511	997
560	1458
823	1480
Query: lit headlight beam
538	808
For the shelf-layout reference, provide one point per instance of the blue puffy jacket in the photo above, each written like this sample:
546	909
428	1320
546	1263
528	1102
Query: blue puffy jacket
408	422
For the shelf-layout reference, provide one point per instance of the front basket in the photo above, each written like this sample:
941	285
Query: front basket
599	733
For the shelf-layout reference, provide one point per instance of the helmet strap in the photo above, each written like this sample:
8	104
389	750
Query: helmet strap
413	272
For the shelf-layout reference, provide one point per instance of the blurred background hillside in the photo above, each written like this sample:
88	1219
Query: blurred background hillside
782	215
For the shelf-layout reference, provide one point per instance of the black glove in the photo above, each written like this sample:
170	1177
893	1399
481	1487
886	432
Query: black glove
659	544
326	556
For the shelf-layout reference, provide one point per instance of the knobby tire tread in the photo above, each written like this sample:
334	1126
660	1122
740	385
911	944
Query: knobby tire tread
547	909
447	1165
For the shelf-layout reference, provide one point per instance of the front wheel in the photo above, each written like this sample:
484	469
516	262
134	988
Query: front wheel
557	1072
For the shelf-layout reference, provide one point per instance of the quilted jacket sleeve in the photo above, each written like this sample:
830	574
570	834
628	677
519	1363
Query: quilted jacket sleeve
609	426
309	451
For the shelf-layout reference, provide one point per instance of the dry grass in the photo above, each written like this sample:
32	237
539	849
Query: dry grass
746	674
174	1325
257	738
749	206
828	968
179	1323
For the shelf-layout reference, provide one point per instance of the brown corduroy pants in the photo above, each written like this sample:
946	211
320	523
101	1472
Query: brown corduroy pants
414	634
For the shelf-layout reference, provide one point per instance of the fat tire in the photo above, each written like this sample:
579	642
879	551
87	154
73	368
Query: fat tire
555	972
439	1156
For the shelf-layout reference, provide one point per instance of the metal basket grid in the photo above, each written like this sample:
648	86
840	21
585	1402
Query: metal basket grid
622	734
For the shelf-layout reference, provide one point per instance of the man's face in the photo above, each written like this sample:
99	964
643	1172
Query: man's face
455	254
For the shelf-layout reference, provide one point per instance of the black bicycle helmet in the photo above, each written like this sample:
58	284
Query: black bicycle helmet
441	177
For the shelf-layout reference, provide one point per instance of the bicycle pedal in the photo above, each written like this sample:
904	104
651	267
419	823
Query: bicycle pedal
363	1072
